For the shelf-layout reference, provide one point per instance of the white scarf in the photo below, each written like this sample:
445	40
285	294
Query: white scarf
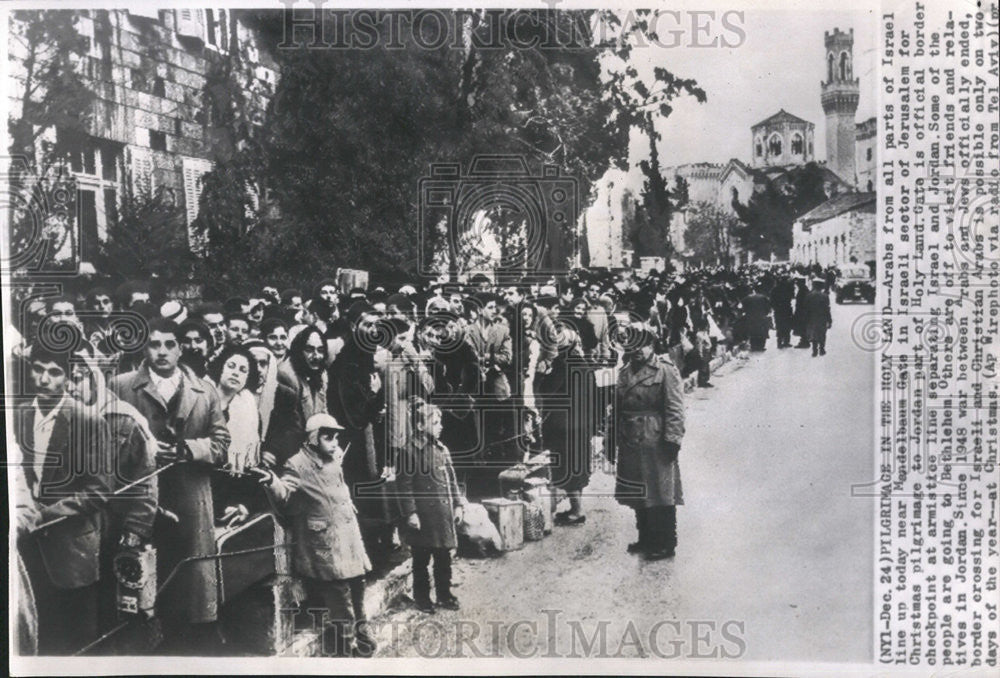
265	397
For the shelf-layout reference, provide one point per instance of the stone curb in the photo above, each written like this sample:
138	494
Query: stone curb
691	381
379	595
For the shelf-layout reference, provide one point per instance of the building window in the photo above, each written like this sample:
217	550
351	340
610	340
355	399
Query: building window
106	69
760	149
110	206
774	145
140	163
216	29
797	144
94	164
139	80
194	169
844	66
210	27
159	88
84	161
109	165
157	140
829	68
870	186
868	153
223	29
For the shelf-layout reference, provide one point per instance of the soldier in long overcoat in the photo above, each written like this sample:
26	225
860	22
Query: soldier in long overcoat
649	416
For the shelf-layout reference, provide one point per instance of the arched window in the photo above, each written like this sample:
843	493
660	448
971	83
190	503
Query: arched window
829	67
759	147
774	144
870	186
796	144
810	147
844	66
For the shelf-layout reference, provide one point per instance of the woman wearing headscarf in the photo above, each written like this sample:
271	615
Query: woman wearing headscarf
129	517
275	406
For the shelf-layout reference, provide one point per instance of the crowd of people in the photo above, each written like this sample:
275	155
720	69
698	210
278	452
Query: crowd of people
336	408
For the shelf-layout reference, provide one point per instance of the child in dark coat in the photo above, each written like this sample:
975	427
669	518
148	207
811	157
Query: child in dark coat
431	504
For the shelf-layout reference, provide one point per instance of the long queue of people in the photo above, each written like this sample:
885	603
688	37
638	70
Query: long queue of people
326	406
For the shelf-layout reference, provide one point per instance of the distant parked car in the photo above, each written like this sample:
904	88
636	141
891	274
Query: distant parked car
854	283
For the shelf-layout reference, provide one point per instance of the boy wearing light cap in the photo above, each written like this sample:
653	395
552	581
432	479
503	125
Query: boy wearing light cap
328	552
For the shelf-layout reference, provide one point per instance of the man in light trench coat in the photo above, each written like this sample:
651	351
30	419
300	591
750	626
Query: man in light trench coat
649	416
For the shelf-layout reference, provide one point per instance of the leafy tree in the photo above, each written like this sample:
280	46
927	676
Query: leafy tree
650	229
47	84
770	212
48	94
709	233
351	132
147	238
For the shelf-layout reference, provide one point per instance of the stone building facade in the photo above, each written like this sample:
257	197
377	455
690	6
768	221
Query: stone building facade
782	139
840	231
840	95
866	154
153	129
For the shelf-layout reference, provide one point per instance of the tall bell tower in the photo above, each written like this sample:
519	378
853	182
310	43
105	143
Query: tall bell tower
839	96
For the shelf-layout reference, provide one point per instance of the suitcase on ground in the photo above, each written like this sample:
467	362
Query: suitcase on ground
508	516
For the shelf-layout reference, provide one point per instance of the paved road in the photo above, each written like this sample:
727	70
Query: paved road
770	539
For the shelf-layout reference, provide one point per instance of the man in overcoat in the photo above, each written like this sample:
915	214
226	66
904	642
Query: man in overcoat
490	336
650	426
756	310
818	318
781	302
185	417
799	316
355	398
429	499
